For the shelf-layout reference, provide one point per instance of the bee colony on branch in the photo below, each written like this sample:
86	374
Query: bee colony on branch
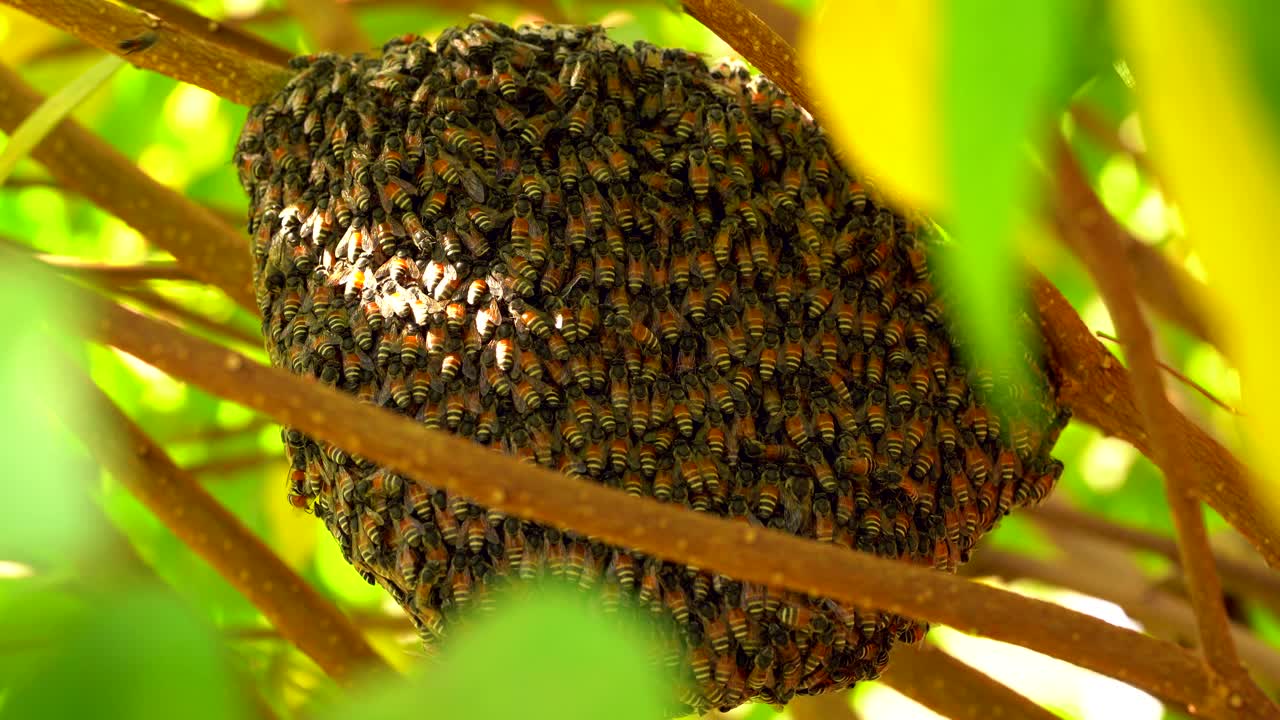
642	271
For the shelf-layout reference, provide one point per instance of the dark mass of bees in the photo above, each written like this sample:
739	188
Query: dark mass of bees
644	271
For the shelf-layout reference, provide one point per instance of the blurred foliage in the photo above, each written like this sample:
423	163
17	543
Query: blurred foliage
66	642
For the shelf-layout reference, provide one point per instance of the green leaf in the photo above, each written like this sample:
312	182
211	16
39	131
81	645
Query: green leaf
545	656
141	656
43	499
1003	66
52	111
1253	24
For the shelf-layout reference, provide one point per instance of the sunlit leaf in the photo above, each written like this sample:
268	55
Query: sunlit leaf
43	492
542	657
1217	150
873	66
52	111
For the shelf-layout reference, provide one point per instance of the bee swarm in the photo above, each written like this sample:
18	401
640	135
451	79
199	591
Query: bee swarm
644	272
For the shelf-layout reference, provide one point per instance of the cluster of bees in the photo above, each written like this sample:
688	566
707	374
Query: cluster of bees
646	272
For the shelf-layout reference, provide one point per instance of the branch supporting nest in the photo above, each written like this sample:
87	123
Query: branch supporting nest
676	534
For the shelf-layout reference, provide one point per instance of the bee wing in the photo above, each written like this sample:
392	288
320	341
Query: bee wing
472	184
448	279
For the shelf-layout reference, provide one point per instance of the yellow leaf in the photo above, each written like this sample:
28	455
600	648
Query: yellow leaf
293	535
1209	136
873	67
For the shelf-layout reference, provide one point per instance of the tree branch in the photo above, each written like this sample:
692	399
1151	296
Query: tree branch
1099	391
827	706
204	246
1097	236
953	689
756	41
227	464
228	36
330	25
1097	574
115	275
175	52
1250	579
302	616
676	534
1092	383
548	9
163	307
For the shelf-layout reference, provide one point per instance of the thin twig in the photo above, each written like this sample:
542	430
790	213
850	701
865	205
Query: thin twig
1096	236
171	50
301	614
674	533
207	248
953	689
196	25
330	25
1181	378
1090	120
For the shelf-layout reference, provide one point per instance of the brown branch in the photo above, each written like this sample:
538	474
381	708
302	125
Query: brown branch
227	464
1247	578
953	689
1097	236
330	25
674	533
1098	390
827	706
1161	613
301	614
1180	378
207	435
1091	121
114	275
169	310
548	9
175	52
232	217
215	33
368	623
752	38
207	248
1092	383
778	17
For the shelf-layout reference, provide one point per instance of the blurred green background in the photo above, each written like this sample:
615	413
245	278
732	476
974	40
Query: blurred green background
103	612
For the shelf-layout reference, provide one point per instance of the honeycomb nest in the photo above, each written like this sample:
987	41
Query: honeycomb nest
642	271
